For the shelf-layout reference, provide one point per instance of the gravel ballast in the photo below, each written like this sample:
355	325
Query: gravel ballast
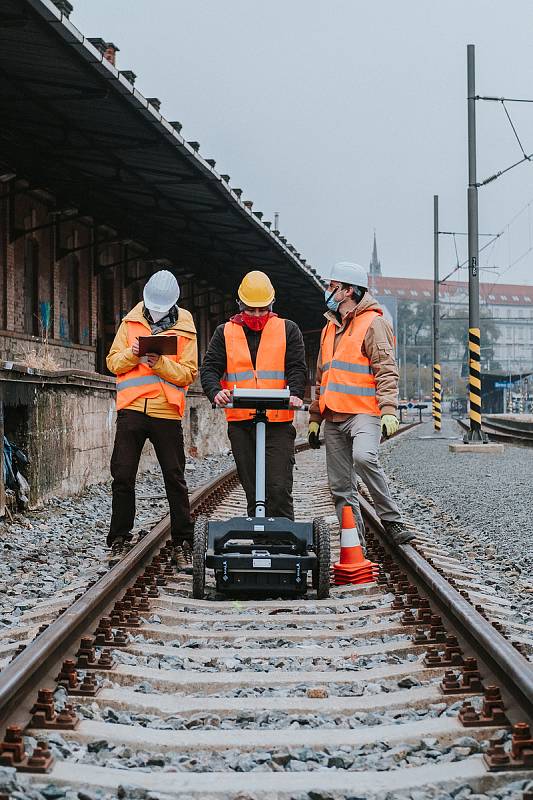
479	508
53	553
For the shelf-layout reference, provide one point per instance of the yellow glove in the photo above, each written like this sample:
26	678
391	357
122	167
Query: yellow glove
313	434
389	425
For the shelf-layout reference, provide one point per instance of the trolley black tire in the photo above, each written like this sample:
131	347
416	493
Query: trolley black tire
198	558
322	572
314	573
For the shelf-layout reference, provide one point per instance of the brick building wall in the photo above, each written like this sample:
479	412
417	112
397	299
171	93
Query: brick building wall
75	300
46	304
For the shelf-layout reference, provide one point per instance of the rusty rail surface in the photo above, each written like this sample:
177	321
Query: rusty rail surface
500	432
27	671
19	678
512	668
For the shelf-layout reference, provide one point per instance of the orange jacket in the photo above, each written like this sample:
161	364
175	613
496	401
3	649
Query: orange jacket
160	391
269	372
348	384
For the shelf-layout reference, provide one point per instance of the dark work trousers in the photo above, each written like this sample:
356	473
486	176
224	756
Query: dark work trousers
280	438
166	435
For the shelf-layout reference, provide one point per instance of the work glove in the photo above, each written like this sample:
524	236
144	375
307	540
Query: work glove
313	434
389	425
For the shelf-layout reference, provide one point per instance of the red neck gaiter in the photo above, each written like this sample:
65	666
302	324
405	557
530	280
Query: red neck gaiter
254	323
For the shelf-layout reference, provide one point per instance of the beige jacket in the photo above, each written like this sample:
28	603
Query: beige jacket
182	373
378	346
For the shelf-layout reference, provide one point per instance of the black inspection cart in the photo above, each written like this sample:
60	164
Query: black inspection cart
262	555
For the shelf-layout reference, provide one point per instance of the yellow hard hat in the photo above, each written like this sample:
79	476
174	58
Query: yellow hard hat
256	290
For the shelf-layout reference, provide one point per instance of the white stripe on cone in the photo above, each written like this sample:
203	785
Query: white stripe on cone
349	538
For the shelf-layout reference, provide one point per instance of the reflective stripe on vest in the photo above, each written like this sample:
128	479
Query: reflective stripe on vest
141	382
270	366
346	365
348	385
248	375
361	391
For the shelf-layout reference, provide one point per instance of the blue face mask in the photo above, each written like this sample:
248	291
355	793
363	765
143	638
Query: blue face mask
332	304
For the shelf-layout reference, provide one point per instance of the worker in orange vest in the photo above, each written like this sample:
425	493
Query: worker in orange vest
151	395
258	349
356	395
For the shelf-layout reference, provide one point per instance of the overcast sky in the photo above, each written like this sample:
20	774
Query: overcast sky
345	116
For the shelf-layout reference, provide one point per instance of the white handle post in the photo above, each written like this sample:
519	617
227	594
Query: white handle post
260	470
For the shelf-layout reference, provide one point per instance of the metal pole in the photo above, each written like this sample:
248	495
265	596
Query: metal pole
474	371
418	378
437	392
260	477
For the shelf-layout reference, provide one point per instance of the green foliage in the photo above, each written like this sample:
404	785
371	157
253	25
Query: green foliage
415	320
415	337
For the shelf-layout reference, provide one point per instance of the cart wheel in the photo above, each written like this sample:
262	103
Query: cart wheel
314	574
198	558
321	573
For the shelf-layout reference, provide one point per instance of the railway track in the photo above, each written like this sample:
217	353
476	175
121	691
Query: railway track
372	692
505	430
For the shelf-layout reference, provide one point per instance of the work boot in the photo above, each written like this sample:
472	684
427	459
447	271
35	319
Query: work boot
182	557
117	548
399	532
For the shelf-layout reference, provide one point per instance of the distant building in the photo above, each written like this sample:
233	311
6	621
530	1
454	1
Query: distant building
508	306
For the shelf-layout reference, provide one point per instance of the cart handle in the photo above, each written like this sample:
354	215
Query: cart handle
304	407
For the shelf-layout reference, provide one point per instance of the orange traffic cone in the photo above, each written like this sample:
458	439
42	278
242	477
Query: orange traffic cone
353	567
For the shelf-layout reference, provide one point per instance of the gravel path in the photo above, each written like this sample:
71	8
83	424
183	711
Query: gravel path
53	553
478	506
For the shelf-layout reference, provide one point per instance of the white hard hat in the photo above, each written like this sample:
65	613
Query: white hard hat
348	272
161	292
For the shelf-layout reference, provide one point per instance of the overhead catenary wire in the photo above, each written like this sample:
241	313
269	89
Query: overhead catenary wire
514	129
503	171
513	262
503	99
493	240
525	156
456	251
465	262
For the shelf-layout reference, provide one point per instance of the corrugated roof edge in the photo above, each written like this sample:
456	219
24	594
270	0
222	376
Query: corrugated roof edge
49	12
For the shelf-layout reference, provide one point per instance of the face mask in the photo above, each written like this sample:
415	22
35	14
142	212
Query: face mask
332	304
254	323
157	315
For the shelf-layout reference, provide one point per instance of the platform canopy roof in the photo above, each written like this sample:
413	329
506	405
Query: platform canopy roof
74	125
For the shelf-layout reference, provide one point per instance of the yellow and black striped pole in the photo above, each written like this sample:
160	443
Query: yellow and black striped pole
437	392
474	382
474	433
436	318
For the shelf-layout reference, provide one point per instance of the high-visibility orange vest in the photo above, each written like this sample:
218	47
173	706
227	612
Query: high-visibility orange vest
141	381
269	372
348	385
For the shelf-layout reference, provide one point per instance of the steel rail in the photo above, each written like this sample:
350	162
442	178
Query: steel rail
511	667
26	672
19	678
498	431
